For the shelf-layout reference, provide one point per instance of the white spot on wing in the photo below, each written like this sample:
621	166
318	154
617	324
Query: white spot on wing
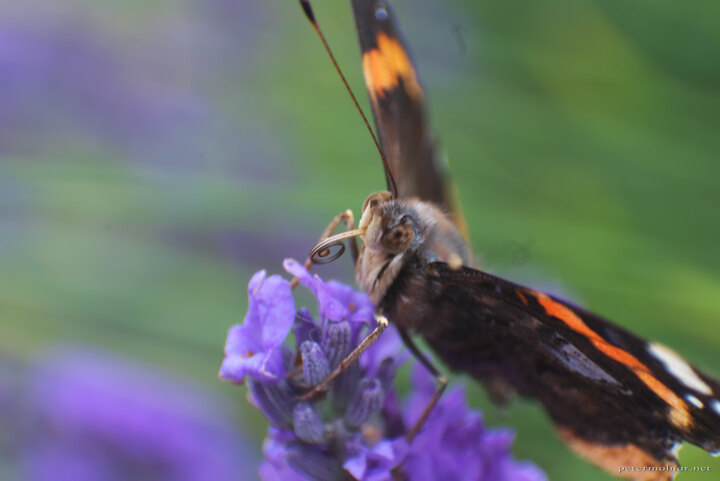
381	13
716	406
679	368
675	449
694	401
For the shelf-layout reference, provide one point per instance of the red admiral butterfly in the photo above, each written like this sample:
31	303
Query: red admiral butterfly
615	398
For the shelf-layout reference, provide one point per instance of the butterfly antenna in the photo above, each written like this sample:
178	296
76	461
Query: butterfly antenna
305	4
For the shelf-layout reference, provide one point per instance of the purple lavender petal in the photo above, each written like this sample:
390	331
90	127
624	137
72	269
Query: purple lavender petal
422	381
519	471
240	359
376	463
450	443
359	307
276	304
336	301
500	464
298	270
454	444
357	466
275	466
254	348
271	304
328	306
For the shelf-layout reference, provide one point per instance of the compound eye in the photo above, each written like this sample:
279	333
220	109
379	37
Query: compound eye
398	238
406	219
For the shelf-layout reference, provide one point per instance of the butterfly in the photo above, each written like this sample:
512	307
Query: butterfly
615	398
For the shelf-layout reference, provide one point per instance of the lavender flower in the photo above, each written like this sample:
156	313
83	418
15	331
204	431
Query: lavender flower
98	417
254	347
355	430
336	301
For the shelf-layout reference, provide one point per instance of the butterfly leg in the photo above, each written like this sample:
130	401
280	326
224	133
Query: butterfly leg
382	323
349	220
440	379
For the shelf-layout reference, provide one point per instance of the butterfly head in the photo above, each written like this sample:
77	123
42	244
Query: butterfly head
389	225
398	232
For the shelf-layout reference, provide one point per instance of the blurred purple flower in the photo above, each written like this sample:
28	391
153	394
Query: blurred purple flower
59	78
358	427
152	92
101	418
253	348
454	444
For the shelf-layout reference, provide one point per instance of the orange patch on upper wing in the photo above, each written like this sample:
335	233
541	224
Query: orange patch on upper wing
385	65
679	415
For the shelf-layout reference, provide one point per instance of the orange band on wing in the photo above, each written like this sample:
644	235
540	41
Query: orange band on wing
385	65
678	415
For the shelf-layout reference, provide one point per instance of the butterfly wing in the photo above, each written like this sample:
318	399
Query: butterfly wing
615	398
398	107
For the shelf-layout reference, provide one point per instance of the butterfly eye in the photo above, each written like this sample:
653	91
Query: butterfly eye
398	238
407	219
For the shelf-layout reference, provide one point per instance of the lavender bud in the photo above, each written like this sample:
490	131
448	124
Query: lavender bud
386	372
336	341
273	400
313	463
315	364
305	328
345	386
367	402
307	424
282	396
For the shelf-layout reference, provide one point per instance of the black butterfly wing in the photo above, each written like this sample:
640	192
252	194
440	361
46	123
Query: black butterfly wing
398	107
611	393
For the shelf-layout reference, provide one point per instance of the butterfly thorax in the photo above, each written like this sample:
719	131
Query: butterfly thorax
401	234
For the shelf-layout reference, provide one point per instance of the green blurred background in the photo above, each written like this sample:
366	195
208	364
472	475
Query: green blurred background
153	155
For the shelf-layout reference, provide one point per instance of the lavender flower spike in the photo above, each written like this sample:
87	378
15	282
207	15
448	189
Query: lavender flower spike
357	428
253	348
